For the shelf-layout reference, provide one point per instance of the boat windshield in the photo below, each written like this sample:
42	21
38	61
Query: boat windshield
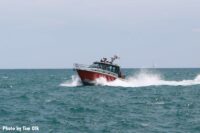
94	66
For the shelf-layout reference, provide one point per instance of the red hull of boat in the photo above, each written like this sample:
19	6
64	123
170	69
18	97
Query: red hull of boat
89	77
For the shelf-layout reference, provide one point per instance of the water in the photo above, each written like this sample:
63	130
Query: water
151	100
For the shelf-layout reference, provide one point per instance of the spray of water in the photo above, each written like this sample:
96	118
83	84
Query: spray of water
75	81
146	79
141	79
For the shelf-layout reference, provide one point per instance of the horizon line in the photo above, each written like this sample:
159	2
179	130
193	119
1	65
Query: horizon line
121	68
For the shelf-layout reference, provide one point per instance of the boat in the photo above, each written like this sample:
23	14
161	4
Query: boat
99	69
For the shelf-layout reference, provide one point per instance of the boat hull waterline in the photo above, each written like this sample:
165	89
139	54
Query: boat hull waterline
89	77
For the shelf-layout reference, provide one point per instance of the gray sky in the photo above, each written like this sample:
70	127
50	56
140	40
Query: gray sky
58	33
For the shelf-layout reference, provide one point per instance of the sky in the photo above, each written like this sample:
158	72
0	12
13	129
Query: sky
59	33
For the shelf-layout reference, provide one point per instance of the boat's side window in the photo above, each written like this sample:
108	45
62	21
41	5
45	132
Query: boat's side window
109	68
117	70
104	67
113	69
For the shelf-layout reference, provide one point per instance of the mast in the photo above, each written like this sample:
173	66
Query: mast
114	58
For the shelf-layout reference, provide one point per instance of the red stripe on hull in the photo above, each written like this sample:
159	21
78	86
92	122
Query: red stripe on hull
89	76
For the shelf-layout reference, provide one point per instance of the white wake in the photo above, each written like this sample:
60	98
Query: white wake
147	79
142	79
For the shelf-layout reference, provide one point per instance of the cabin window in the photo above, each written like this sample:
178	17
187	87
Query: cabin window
114	69
117	70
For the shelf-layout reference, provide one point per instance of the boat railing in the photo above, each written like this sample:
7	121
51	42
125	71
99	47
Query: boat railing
80	65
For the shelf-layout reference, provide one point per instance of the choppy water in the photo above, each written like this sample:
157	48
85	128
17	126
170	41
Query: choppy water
155	100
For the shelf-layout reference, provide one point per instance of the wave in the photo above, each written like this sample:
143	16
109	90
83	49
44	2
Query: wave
142	79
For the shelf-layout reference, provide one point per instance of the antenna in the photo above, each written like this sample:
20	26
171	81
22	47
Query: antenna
114	58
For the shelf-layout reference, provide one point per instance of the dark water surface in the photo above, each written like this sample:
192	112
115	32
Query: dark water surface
36	98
